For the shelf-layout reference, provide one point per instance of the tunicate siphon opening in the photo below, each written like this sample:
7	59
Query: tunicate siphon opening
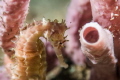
91	35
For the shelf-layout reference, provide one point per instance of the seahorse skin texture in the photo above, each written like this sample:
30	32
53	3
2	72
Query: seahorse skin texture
30	54
30	57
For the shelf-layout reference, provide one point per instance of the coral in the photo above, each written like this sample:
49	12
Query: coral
97	45
13	14
106	15
79	13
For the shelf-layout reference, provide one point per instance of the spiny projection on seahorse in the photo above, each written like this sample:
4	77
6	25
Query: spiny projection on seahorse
30	56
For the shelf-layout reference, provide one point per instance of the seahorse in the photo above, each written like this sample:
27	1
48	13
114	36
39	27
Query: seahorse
30	57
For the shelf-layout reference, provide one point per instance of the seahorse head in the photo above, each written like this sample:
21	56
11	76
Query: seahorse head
56	34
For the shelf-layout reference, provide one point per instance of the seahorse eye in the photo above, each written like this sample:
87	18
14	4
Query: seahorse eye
60	42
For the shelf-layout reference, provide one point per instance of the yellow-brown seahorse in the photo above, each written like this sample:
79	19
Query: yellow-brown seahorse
30	56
